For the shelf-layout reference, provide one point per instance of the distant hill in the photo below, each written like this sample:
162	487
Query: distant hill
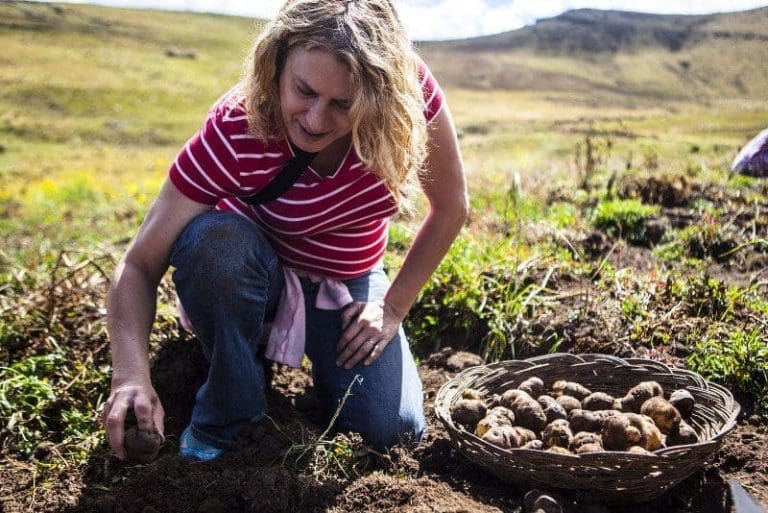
600	54
657	56
594	31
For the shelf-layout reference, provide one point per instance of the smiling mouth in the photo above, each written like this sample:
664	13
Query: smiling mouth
312	135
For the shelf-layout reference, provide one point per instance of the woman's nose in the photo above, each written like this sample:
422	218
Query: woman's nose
317	118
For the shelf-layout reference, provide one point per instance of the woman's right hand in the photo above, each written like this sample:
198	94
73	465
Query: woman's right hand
131	313
138	396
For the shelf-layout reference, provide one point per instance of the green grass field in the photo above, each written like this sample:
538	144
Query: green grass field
92	113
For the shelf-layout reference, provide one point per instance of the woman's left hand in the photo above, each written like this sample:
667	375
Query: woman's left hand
368	328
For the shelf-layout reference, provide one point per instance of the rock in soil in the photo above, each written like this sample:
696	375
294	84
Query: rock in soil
44	451
452	360
105	503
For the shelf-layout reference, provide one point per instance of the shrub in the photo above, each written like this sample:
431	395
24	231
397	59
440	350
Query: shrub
624	218
739	362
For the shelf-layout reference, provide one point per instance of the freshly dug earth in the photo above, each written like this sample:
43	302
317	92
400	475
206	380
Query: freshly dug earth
258	476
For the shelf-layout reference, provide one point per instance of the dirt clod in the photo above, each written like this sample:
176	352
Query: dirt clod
44	451
142	446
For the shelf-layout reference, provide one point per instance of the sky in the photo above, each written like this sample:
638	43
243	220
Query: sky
454	19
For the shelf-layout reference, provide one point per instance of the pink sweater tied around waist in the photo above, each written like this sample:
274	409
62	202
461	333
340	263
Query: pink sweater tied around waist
288	331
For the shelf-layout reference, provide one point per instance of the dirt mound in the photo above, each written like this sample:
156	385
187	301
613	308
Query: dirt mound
454	361
176	485
665	190
386	493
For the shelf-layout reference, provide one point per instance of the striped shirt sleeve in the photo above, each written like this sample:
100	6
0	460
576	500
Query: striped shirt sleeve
207	167
433	95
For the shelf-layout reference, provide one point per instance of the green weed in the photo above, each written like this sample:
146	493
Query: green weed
562	215
708	240
25	392
738	361
624	218
672	251
702	295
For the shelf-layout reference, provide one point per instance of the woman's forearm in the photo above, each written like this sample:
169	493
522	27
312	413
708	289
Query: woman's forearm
430	245
130	315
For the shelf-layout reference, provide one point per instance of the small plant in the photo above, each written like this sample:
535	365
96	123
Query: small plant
323	455
509	298
25	393
624	218
632	309
709	240
702	295
738	361
671	251
590	156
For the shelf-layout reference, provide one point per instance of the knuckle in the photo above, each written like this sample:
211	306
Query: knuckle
112	420
141	408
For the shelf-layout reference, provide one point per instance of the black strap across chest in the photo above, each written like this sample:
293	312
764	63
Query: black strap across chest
284	180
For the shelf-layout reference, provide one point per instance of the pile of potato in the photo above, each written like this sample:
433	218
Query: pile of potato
571	419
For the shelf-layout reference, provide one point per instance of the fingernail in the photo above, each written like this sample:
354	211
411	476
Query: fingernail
338	363
347	367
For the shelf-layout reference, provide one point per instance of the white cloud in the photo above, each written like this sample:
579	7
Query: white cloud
448	19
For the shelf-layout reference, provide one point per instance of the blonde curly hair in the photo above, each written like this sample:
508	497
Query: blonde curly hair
389	132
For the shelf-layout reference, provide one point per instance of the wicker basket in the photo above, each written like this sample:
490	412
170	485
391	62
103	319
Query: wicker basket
612	476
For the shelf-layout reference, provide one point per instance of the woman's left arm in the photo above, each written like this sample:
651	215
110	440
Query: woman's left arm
370	326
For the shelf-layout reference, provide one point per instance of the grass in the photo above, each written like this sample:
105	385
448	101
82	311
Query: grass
91	117
624	218
739	361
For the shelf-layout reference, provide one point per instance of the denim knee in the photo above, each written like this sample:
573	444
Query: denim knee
382	431
216	248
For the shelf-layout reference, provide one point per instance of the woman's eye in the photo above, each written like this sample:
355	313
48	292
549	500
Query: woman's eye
342	106
304	92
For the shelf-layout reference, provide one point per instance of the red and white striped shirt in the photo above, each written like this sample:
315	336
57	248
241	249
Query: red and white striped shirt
334	226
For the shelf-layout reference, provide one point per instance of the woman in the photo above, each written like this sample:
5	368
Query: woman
337	82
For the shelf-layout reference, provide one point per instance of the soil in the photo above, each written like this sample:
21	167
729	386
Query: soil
262	473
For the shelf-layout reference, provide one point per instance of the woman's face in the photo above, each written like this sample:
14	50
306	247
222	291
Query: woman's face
315	96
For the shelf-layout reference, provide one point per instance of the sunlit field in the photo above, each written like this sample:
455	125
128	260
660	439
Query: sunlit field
603	220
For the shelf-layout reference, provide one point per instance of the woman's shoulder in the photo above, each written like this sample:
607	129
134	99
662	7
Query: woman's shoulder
433	94
230	107
228	118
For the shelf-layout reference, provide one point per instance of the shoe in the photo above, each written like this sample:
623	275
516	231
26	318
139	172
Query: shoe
193	448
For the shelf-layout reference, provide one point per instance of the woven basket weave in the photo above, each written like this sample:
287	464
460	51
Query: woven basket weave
612	476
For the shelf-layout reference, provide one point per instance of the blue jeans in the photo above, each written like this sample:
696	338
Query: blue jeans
229	280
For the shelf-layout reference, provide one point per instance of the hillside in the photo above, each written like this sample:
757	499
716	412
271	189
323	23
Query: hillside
653	56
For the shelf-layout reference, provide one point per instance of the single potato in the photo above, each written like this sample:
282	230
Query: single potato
557	433
568	402
664	415
529	413
468	412
638	394
571	388
684	402
533	386
598	401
